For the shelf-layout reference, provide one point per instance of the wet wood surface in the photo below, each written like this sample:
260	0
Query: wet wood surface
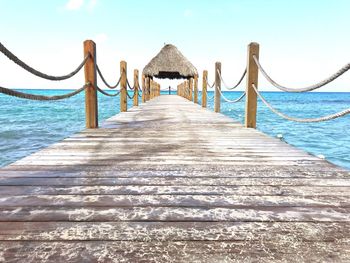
169	181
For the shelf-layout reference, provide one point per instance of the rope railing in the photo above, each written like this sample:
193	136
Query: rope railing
305	89
91	72
232	101
210	86
104	80
320	119
29	96
130	97
128	84
237	84
106	93
37	73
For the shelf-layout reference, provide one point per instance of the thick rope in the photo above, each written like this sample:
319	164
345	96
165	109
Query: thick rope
28	96
108	94
128	84
309	88
37	73
104	80
210	86
325	118
238	83
232	101
130	97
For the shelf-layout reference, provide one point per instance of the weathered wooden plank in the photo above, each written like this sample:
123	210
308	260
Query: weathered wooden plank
231	201
250	190
173	213
28	179
170	251
322	169
175	231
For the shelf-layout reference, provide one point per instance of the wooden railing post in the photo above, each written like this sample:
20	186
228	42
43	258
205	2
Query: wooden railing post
217	87
123	87
204	88
195	89
143	89
147	88
191	89
252	78
136	87
91	110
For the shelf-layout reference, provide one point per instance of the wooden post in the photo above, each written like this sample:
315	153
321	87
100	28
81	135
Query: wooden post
252	78
91	110
143	89
147	88
184	89
123	87
151	89
195	89
204	88
191	89
217	87
136	87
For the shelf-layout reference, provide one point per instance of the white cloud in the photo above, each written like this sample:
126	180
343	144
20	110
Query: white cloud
74	4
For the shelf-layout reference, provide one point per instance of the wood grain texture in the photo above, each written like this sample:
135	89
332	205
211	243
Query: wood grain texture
170	181
91	105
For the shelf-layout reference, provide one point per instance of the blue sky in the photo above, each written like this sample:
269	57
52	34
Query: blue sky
301	42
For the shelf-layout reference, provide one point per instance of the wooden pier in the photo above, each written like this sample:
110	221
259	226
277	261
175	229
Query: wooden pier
170	181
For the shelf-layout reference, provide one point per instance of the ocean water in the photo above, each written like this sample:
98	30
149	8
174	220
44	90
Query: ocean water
27	126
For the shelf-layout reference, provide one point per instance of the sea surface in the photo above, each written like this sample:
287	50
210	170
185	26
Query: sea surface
27	126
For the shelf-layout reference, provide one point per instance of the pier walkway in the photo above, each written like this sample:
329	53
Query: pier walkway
170	181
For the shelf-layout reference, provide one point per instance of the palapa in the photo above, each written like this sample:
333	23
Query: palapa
170	63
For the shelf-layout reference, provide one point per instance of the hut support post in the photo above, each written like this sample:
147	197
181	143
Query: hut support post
191	89
187	87
91	110
147	88
136	87
152	89
143	89
123	87
217	87
204	88
195	89
252	78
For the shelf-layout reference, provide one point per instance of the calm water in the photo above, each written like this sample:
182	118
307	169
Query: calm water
27	126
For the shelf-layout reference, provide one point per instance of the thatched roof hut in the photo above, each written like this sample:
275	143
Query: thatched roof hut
170	63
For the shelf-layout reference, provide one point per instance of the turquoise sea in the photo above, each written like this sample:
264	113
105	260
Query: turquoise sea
27	126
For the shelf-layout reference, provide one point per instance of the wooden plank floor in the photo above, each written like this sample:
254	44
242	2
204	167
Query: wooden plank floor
172	182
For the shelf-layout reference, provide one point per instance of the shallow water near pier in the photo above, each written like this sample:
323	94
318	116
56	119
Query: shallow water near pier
27	126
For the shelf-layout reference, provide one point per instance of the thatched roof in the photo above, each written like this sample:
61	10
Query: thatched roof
170	63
